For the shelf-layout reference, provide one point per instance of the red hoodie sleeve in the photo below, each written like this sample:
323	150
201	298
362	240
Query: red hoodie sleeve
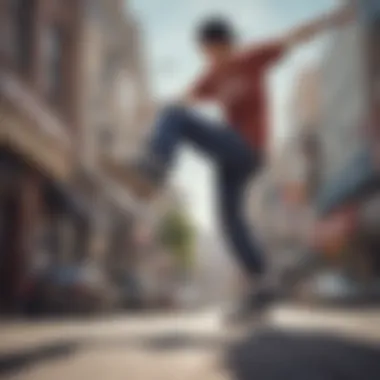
265	54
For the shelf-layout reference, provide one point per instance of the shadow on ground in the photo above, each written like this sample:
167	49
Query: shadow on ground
276	355
265	355
58	349
16	362
164	342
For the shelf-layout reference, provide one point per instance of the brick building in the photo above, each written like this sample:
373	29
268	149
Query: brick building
38	125
73	101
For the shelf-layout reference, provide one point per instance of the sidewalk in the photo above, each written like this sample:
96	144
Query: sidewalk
167	347
362	324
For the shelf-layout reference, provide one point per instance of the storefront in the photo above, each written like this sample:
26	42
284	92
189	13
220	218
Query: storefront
43	223
32	151
19	203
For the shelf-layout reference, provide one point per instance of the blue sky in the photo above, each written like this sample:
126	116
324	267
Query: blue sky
168	26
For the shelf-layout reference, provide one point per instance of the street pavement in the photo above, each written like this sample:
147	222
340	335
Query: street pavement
176	346
190	346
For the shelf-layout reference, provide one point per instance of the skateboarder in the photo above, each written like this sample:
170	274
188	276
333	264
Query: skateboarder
236	80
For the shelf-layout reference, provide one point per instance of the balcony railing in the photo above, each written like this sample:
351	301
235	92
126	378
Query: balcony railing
29	127
15	92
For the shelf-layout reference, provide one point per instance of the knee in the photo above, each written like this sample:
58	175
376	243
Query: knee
175	111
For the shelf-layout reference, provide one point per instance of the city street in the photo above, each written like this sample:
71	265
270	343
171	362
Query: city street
116	196
154	347
166	347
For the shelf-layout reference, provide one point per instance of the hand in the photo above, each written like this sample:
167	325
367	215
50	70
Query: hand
344	15
311	29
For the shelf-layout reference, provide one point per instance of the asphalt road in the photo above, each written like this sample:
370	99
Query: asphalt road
295	344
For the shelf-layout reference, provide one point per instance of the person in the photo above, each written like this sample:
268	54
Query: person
235	79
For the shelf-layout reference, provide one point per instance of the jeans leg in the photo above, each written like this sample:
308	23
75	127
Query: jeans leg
232	186
168	134
233	156
178	125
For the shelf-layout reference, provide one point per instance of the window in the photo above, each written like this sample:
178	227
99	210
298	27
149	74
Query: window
22	16
53	60
106	137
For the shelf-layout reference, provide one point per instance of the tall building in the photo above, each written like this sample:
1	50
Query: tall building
117	99
305	101
281	198
344	106
349	125
117	108
74	102
349	139
39	123
300	156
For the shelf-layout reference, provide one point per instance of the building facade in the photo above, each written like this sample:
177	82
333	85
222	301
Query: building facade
74	101
345	99
38	124
282	197
349	136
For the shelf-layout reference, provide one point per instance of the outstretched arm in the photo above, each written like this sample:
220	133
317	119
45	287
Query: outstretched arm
273	50
311	29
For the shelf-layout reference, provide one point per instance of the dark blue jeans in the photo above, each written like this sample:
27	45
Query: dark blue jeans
236	163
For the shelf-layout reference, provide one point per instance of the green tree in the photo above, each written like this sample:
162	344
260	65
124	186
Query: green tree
177	234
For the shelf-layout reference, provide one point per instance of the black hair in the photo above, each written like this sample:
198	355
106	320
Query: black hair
216	30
